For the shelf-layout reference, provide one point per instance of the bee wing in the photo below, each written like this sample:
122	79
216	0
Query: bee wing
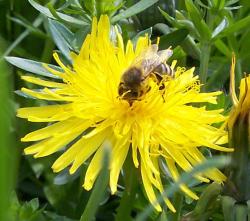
151	58
164	55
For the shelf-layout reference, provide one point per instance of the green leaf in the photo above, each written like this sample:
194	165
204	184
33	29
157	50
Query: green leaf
231	2
184	23
99	188
173	39
29	26
67	18
191	48
79	37
38	21
217	77
220	4
198	21
133	10
90	6
163	28
56	217
62	36
22	94
223	48
169	18
33	66
147	31
237	26
193	11
220	28
64	177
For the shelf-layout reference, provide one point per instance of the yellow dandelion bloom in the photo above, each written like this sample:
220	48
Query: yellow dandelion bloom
164	123
241	106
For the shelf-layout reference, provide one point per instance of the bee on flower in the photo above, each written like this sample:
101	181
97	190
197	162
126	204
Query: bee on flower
130	97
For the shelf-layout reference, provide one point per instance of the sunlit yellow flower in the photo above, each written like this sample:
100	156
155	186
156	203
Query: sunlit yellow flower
162	124
241	106
238	124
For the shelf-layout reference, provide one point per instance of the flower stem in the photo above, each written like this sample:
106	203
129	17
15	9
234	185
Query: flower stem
204	59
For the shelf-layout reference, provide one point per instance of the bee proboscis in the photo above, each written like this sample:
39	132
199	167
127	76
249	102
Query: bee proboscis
150	63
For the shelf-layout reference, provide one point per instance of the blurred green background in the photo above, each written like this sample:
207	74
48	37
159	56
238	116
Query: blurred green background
202	33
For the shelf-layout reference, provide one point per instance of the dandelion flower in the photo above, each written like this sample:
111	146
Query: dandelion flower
164	123
241	106
238	123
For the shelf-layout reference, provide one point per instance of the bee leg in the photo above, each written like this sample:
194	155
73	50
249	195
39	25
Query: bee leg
158	76
164	101
149	88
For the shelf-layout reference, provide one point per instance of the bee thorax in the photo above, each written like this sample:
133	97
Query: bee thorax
132	77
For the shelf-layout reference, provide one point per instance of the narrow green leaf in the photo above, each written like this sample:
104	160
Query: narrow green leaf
147	31
237	26
231	2
220	4
193	11
198	21
99	188
161	27
191	48
29	27
220	28
79	37
199	2
33	66
67	18
173	39
180	24
169	18
60	33
22	94
223	48
133	10
38	21
90	5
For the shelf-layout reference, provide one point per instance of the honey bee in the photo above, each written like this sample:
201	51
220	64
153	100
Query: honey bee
151	63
